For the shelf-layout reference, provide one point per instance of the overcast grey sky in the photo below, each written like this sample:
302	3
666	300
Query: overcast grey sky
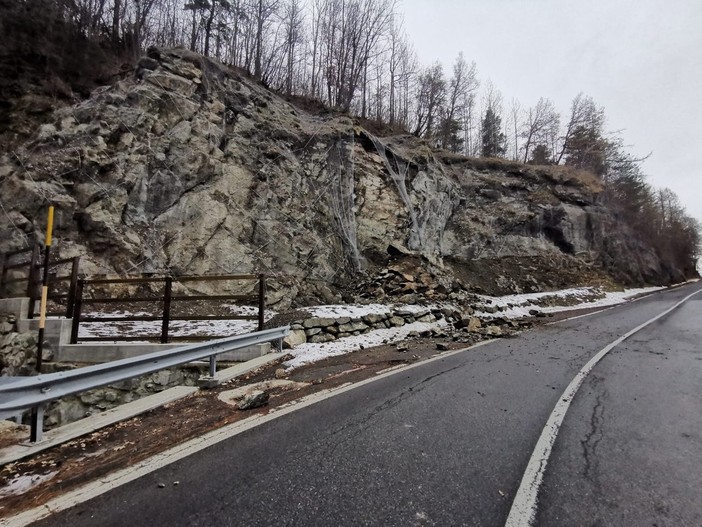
640	59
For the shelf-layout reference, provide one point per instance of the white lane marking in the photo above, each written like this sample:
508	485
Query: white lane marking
524	505
625	303
121	477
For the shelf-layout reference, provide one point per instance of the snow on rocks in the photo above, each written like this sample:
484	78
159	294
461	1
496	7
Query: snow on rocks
330	323
312	352
535	304
383	324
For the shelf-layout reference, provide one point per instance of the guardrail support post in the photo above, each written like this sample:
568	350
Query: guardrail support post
261	300
76	312
167	290
213	365
37	424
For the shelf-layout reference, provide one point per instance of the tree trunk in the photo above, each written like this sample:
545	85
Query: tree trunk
115	20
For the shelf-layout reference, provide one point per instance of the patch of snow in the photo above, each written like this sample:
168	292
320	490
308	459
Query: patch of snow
348	310
511	307
611	298
519	306
21	484
176	328
307	353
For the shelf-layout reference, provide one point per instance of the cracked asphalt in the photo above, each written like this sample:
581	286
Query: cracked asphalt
446	443
630	450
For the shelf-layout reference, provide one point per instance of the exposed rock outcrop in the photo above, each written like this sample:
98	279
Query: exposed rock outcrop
189	168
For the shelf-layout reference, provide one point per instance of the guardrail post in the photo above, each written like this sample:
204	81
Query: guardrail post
261	300
71	298
76	311
32	281
36	424
167	290
213	365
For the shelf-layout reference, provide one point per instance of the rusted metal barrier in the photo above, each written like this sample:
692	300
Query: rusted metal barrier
165	301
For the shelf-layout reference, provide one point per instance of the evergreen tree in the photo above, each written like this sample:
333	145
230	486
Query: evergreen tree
493	140
540	155
450	132
587	150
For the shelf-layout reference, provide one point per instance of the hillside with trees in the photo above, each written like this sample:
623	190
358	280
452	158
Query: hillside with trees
336	57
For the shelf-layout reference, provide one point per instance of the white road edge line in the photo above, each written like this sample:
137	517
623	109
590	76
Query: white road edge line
123	476
524	506
624	303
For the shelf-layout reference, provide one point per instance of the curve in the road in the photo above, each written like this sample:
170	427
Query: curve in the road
524	506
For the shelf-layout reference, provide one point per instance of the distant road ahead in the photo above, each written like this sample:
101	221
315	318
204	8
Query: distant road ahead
447	443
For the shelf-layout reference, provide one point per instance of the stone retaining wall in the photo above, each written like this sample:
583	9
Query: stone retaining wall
18	351
74	407
327	329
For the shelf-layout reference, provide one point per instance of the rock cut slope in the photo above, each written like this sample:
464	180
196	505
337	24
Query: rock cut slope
188	167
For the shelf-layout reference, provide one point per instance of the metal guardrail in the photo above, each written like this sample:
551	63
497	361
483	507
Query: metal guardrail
21	393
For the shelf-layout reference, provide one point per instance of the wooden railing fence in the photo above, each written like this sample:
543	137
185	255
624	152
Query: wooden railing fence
162	305
26	264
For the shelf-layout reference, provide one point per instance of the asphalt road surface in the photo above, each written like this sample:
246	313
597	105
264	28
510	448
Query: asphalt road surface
447	443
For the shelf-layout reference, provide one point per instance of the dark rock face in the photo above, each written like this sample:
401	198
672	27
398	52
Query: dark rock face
188	168
253	400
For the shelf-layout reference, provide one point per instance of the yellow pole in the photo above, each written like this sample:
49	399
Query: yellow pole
49	226
45	285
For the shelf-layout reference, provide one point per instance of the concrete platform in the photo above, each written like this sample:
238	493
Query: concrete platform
17	306
57	331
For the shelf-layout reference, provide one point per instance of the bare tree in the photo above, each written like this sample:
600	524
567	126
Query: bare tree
396	40
407	73
515	118
293	20
350	33
462	84
431	94
540	121
317	20
263	10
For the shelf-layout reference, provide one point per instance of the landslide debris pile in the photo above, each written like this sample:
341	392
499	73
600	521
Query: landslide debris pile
188	167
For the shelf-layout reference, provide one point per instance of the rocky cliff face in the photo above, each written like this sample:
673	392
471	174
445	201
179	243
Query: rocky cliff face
189	168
